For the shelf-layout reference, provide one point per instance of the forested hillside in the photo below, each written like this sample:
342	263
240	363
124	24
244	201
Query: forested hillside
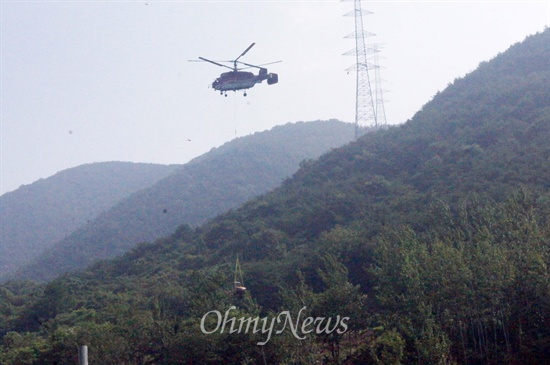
211	184
37	215
432	238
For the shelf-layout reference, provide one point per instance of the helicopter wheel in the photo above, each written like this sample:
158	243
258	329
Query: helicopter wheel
245	93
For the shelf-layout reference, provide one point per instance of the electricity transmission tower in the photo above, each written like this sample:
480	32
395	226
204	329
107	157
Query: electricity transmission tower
369	105
380	111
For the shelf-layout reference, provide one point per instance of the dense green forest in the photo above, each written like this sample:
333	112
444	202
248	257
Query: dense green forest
221	179
431	239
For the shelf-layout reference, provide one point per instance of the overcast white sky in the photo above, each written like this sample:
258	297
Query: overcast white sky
90	81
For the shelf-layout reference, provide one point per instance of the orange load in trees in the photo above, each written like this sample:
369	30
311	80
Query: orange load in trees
238	282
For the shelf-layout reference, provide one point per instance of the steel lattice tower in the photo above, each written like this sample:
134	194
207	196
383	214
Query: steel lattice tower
368	107
380	110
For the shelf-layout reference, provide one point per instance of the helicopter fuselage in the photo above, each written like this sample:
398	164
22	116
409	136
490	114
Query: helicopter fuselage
241	80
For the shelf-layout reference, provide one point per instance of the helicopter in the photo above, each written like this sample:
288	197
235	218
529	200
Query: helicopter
241	80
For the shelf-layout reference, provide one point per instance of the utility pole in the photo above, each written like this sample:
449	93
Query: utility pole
83	355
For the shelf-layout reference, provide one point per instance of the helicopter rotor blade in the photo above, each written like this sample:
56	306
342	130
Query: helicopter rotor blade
246	50
259	66
215	63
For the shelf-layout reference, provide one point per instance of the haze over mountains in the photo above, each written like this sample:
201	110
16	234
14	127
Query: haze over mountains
208	185
431	237
35	216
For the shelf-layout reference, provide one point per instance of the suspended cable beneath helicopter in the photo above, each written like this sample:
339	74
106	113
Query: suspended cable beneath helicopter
235	106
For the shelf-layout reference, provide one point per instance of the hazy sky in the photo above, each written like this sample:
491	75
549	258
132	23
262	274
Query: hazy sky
90	81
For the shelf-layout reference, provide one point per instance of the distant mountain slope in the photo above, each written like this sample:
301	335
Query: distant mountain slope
211	184
39	214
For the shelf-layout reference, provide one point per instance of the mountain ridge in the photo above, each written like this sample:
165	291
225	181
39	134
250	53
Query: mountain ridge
208	185
36	215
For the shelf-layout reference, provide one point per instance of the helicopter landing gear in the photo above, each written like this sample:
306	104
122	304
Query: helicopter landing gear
244	93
